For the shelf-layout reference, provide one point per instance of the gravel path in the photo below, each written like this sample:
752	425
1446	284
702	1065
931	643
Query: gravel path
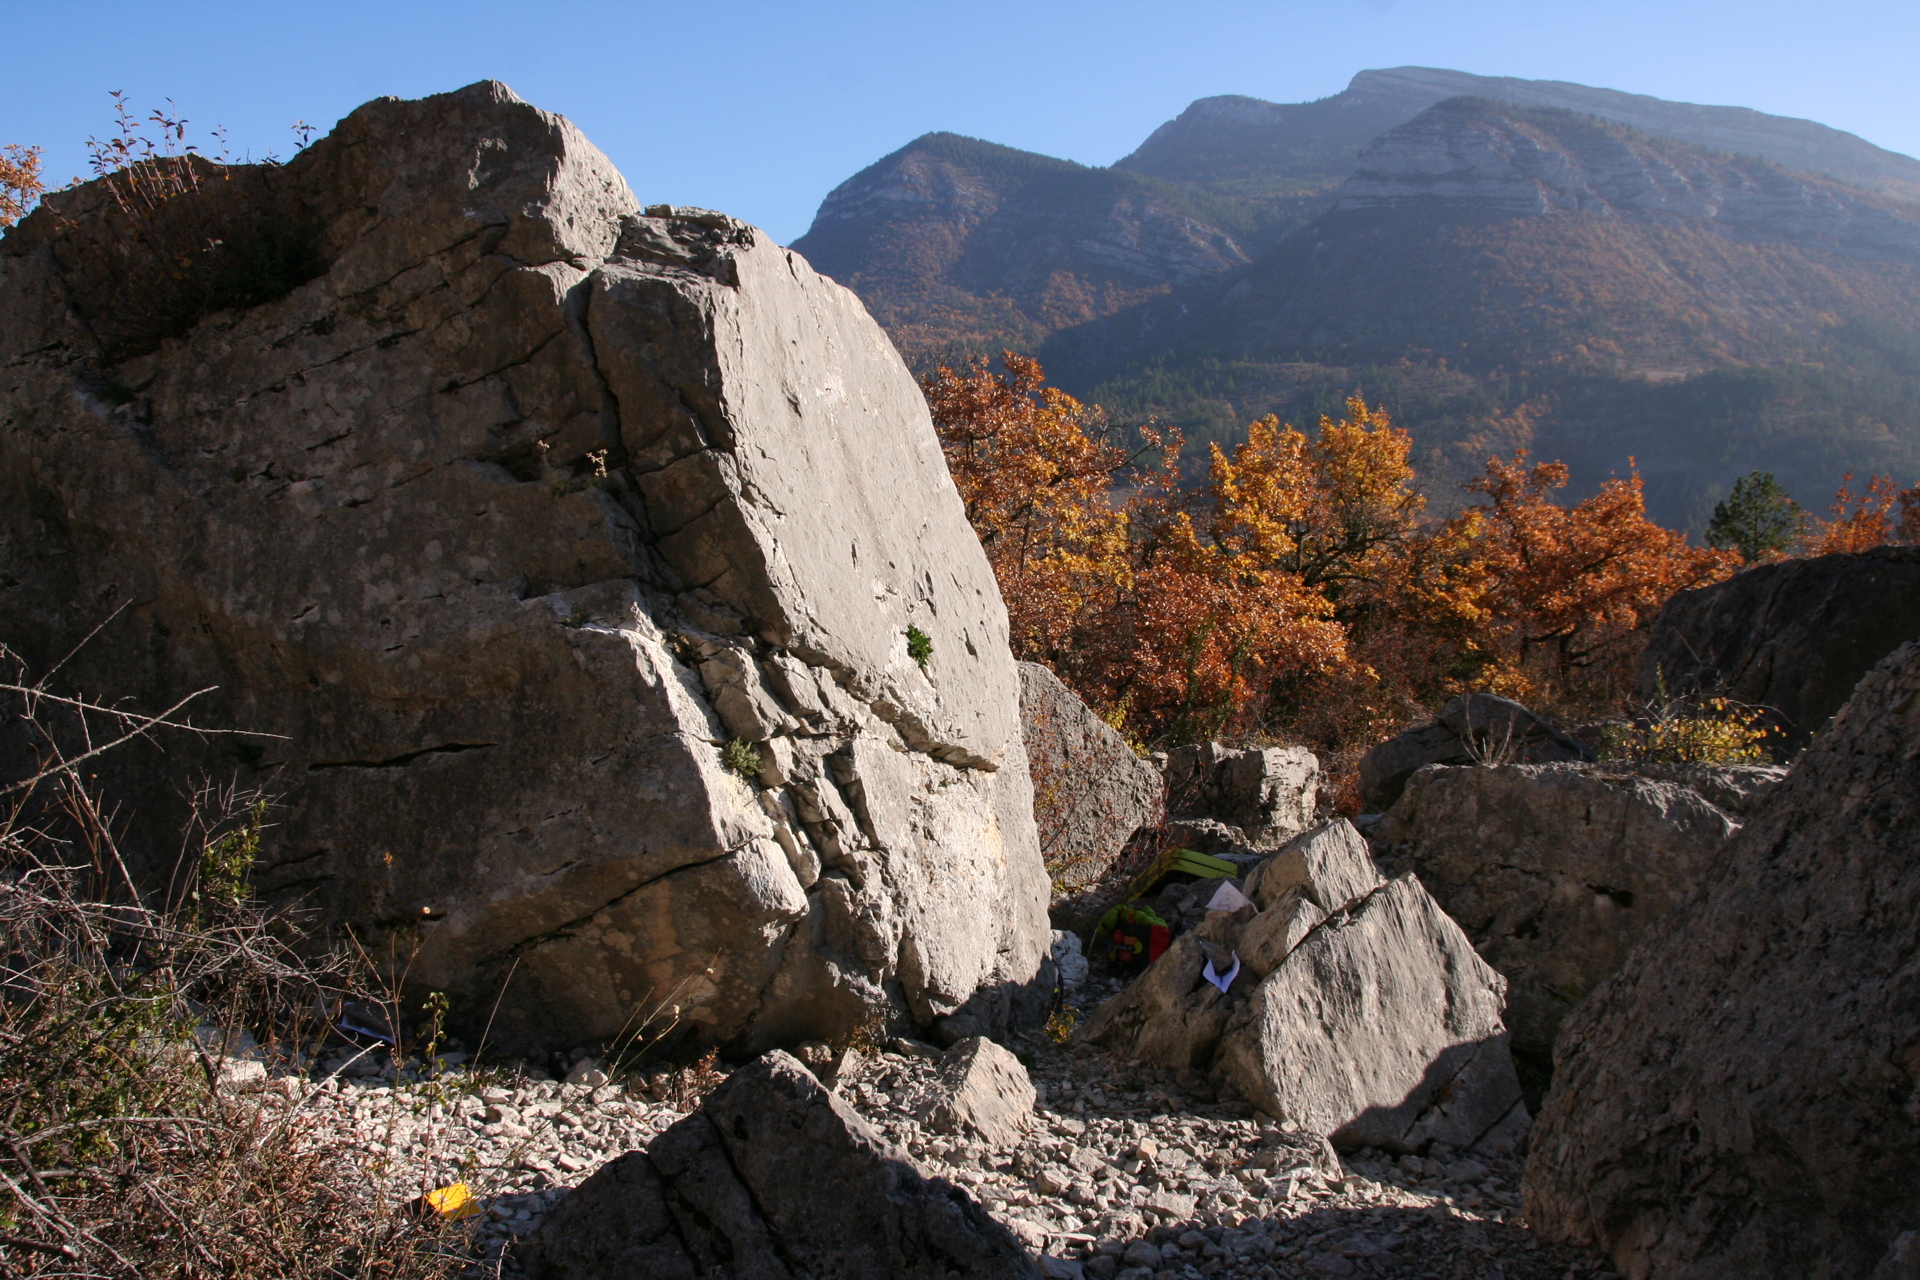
1124	1174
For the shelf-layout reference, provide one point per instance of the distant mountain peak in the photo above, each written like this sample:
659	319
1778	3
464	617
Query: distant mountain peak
1309	139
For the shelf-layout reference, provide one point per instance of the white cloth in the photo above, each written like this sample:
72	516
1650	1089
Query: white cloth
1214	976
1228	898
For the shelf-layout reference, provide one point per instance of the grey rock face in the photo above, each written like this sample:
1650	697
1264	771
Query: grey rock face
1090	791
510	520
774	1178
1554	870
1742	1099
986	1092
1467	156
1475	728
1793	638
1360	1012
1267	793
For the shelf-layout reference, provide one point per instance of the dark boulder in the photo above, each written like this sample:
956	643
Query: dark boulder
1793	637
1742	1098
1475	728
774	1178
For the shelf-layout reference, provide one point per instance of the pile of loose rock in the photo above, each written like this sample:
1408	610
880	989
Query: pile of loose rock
1116	1170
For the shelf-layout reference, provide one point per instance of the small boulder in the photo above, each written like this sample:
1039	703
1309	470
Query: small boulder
774	1178
1069	960
1091	792
984	1091
1268	794
1382	1029
1475	728
1360	1010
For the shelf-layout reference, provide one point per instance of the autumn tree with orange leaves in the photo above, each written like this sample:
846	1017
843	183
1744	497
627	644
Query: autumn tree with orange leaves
1301	591
1568	589
20	182
1880	514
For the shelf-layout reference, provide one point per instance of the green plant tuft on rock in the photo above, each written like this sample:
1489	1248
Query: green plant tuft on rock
919	645
741	757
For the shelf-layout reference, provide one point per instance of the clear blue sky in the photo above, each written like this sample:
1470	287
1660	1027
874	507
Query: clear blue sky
759	109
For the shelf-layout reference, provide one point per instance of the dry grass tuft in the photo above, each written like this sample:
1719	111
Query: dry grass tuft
140	1135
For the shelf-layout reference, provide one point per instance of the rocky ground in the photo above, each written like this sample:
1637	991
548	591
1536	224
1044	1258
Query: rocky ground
1124	1173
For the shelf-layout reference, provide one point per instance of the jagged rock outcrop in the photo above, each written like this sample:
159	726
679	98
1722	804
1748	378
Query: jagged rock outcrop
1475	728
1360	1010
1791	638
1742	1099
774	1178
571	551
1090	791
1267	794
1554	870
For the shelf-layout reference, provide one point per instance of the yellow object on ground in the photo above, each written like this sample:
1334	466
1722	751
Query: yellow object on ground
453	1202
1180	862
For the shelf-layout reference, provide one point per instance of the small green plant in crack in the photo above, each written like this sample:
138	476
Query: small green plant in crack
919	645
741	757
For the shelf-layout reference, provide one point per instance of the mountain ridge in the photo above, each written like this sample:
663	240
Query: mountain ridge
1377	100
1501	275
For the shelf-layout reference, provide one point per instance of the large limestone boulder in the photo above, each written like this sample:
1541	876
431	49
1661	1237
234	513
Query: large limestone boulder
571	551
774	1178
1742	1099
1554	870
1475	728
1266	795
1360	1010
1090	791
1791	638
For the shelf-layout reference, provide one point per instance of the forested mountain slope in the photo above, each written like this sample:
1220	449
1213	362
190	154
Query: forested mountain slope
1502	275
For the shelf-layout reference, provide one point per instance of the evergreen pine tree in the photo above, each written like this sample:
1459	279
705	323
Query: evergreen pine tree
1758	517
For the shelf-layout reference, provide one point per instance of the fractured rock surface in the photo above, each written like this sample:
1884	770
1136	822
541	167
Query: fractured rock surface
1742	1099
985	1092
1360	1011
1090	791
1554	870
774	1178
512	510
1267	795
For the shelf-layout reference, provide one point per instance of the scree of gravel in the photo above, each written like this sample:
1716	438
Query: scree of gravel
1123	1173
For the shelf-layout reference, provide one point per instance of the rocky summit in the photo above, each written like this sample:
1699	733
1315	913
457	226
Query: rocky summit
589	576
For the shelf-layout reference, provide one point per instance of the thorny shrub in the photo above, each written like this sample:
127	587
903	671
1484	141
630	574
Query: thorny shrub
1706	731
1881	514
124	1152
